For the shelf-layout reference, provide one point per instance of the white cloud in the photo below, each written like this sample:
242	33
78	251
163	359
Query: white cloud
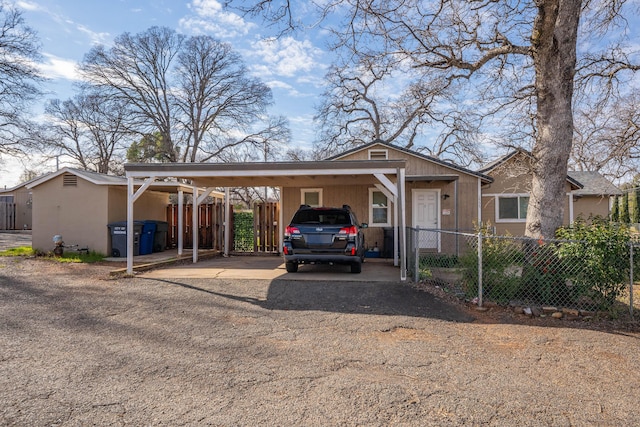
212	19
286	56
27	5
94	37
55	67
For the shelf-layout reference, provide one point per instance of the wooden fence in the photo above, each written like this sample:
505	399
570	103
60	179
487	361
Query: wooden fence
266	234
7	216
210	228
266	237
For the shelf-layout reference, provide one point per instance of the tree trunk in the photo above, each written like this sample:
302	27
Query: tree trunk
554	39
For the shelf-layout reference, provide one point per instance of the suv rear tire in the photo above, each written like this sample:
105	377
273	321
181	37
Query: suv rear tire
356	267
291	267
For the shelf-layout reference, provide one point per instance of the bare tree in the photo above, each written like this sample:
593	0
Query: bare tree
530	44
19	79
607	135
215	96
137	70
191	98
380	99
90	129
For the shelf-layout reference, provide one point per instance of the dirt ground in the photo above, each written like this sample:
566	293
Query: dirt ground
80	348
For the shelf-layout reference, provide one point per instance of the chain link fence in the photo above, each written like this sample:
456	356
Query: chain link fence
580	275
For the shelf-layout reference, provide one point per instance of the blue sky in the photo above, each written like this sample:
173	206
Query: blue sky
293	66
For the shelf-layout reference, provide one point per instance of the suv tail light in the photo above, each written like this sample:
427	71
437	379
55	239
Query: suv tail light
351	231
290	230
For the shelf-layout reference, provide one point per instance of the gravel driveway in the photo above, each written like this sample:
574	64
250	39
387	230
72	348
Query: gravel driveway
78	348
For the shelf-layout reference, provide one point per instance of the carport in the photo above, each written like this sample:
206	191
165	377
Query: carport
386	175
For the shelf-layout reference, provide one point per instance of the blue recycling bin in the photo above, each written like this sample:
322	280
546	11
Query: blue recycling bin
147	237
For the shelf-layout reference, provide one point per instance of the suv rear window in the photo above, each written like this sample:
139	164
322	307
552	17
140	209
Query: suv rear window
321	216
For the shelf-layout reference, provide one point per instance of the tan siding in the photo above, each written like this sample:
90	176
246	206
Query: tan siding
588	206
78	213
22	199
151	205
81	213
513	177
416	166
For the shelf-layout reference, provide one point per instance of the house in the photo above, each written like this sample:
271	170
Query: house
440	195
505	200
79	205
15	207
387	187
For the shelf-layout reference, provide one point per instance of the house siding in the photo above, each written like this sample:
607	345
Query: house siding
22	200
514	177
467	187
77	213
81	213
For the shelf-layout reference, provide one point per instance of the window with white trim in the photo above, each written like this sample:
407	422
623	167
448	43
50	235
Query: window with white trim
512	208
378	154
379	212
311	197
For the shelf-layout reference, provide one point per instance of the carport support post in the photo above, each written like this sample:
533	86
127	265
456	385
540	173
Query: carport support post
396	259
194	224
180	221
227	221
403	224
130	198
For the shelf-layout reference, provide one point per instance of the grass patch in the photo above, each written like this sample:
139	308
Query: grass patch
79	257
69	256
21	251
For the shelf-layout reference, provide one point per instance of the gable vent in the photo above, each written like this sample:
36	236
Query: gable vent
378	155
69	180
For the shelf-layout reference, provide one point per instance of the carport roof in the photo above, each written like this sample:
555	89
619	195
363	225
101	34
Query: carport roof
270	174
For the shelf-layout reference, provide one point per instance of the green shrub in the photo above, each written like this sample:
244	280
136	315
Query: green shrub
598	259
501	268
438	261
544	275
243	231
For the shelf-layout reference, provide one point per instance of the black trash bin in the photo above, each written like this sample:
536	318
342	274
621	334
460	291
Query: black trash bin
119	238
160	235
388	244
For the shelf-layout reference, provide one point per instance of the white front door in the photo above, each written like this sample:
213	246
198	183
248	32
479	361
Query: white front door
426	214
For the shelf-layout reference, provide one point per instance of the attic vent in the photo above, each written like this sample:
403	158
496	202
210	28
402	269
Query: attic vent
69	180
378	154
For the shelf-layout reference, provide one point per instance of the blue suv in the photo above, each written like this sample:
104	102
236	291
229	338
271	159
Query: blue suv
324	235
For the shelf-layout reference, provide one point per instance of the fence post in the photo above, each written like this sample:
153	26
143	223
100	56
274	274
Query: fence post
631	279
480	268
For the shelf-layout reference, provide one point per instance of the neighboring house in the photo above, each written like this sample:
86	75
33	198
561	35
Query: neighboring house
505	200
79	205
15	207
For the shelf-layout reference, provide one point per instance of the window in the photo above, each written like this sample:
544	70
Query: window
311	197
512	208
378	209
378	155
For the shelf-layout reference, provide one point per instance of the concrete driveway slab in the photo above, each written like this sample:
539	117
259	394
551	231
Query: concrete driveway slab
272	267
